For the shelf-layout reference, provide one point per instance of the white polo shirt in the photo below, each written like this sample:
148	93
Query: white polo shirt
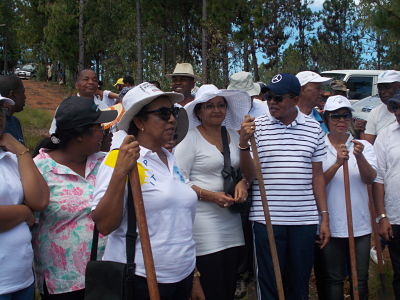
16	254
379	118
387	149
170	206
286	154
358	192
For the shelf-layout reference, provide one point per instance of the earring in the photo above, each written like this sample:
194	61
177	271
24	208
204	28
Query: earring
142	129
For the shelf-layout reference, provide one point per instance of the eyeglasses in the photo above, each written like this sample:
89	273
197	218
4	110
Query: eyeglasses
277	98
337	117
164	113
393	107
210	106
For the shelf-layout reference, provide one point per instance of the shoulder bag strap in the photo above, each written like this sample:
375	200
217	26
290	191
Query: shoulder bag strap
226	151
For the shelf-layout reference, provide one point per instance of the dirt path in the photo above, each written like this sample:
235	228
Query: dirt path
44	95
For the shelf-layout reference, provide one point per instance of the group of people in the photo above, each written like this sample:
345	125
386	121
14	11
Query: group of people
200	239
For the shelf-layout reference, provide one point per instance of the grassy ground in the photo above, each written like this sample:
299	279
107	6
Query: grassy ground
35	125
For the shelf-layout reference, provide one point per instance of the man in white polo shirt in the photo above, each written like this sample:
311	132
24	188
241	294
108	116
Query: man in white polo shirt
291	148
380	117
386	188
311	94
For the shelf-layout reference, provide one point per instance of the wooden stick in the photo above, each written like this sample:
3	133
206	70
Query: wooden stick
144	235
268	224
352	247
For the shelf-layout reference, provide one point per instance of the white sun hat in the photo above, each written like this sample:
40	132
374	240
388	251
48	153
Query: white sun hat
239	105
308	76
140	96
389	76
7	100
243	81
336	102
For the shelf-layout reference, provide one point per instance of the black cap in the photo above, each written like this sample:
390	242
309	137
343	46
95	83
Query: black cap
78	111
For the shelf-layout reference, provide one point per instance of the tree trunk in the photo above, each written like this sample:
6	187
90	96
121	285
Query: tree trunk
225	63
163	56
246	65
204	43
81	62
139	71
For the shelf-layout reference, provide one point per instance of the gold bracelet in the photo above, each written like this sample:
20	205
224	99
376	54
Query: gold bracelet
23	152
196	273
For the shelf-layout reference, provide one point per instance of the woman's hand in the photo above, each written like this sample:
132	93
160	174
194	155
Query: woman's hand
30	218
129	152
222	199
385	229
342	154
324	232
197	290
241	191
358	148
246	131
9	143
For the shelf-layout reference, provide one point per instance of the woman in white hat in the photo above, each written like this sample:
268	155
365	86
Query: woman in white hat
150	116
361	159
217	230
22	191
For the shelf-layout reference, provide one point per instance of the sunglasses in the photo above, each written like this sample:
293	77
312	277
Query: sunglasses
337	117
164	113
393	107
277	98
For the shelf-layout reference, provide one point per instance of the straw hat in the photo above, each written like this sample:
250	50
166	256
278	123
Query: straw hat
239	104
140	96
243	81
184	69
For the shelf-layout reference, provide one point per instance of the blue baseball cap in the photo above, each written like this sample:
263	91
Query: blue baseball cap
284	84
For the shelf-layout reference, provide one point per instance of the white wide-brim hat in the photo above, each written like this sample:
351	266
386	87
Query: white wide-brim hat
7	100
239	105
140	96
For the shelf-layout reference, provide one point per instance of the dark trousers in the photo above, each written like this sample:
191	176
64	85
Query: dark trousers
295	247
218	273
333	265
76	295
394	250
24	294
168	291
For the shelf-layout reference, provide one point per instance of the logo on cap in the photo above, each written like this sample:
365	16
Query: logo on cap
276	78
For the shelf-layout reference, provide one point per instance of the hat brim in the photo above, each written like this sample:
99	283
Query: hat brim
129	114
120	112
320	79
106	116
254	91
196	78
239	104
7	100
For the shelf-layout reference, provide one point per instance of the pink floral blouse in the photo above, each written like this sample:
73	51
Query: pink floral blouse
62	239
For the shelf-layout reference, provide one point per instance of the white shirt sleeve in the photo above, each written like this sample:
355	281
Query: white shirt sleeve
370	128
185	153
369	153
380	152
107	100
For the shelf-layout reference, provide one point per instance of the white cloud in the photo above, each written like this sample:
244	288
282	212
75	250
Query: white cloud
317	5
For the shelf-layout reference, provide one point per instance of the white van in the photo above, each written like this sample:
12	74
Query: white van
361	83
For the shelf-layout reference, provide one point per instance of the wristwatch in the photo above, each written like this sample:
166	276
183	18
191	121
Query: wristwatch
379	218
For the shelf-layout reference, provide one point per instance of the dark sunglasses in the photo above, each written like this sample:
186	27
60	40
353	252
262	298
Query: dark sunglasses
337	117
164	113
277	98
393	107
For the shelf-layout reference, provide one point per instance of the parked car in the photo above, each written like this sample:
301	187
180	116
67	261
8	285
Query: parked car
361	83
26	71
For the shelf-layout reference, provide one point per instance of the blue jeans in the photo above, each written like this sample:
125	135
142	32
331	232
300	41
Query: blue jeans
24	294
295	247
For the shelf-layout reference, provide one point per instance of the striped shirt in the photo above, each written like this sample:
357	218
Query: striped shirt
286	154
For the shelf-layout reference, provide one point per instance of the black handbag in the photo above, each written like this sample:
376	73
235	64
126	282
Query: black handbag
231	175
109	280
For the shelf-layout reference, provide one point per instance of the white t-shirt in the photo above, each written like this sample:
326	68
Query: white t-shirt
215	228
170	208
16	254
358	192
387	149
378	119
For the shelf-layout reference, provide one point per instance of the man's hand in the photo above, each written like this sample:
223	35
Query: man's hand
246	131
385	229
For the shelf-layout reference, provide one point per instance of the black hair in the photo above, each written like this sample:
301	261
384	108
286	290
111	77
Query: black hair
198	107
79	75
128	80
9	83
61	138
133	130
156	83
